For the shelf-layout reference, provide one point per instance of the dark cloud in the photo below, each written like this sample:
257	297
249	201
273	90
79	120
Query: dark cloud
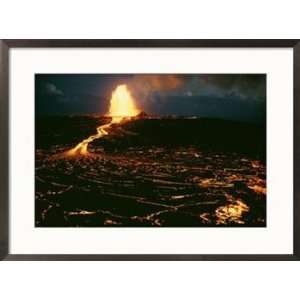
234	96
243	86
239	85
151	82
51	89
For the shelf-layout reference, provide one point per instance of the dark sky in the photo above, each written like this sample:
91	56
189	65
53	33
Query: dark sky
227	96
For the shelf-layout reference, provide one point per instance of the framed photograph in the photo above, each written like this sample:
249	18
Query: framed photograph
150	149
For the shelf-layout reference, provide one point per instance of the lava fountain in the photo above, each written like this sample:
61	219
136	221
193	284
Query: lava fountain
122	106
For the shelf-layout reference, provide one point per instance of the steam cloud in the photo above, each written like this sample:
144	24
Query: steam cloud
242	85
239	85
159	82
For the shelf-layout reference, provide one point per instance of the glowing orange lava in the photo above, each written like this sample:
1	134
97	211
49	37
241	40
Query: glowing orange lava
231	213
122	106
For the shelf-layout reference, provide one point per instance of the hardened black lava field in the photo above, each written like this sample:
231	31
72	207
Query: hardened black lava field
150	171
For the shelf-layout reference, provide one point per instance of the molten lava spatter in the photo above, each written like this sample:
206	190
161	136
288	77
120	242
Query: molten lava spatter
121	106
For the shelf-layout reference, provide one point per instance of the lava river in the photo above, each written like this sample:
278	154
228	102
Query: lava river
122	106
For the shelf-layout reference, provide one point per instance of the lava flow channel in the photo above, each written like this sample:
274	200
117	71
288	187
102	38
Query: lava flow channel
122	106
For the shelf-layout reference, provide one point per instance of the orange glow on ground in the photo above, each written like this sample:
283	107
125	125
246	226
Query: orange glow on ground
231	213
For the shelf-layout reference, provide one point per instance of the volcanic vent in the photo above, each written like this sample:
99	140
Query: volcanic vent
122	107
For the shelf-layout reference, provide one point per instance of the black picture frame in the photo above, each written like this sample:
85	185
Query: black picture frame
6	45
